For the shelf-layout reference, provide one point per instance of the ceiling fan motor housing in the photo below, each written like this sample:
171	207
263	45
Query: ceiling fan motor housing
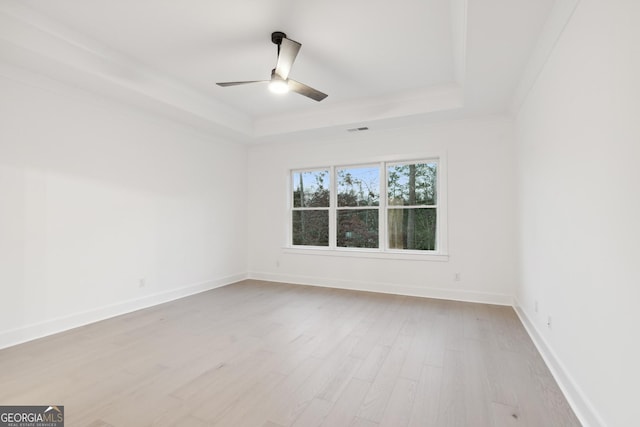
277	36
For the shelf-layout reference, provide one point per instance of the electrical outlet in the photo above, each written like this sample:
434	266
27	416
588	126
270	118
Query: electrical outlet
142	282
457	277
549	322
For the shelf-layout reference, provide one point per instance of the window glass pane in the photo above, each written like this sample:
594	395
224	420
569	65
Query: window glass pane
358	228
311	228
358	186
412	228
412	184
311	189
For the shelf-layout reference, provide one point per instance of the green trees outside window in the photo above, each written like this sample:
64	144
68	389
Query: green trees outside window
311	201
412	206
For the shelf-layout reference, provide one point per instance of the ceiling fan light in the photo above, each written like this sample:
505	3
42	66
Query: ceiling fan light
278	86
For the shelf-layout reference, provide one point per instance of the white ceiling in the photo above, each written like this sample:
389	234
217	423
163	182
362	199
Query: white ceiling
378	60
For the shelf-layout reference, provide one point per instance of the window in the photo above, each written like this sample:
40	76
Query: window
357	210
381	207
411	205
311	200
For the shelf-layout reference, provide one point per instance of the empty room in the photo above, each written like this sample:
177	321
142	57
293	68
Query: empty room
319	213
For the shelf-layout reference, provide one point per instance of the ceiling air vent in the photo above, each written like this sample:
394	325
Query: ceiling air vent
357	129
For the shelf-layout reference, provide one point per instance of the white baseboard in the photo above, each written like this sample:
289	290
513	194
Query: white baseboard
581	405
386	288
38	330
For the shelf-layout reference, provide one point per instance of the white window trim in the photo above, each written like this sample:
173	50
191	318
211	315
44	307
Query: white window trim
407	255
383	251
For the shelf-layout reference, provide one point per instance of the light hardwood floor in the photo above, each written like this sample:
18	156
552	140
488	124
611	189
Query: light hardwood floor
274	355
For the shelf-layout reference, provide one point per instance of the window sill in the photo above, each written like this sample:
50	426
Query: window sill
367	253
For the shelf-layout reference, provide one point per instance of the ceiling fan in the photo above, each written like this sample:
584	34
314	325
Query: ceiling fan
280	81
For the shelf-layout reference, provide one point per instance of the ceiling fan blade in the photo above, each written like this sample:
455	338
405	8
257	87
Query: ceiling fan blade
307	91
225	84
288	51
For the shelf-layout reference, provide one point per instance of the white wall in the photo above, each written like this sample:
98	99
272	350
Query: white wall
481	211
95	196
579	183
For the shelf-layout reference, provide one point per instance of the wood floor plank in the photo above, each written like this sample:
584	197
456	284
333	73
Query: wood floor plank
99	423
417	354
275	355
507	416
539	398
452	403
436	346
278	401
295	403
378	329
425	408
372	363
476	385
340	379
398	410
378	396
361	422
346	407
250	407
314	415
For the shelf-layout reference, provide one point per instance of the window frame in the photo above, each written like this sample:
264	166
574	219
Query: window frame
383	250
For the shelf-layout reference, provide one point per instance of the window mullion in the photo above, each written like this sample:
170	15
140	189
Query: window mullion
333	203
413	207
382	209
356	208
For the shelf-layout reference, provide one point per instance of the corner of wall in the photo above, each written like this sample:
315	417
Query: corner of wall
553	28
